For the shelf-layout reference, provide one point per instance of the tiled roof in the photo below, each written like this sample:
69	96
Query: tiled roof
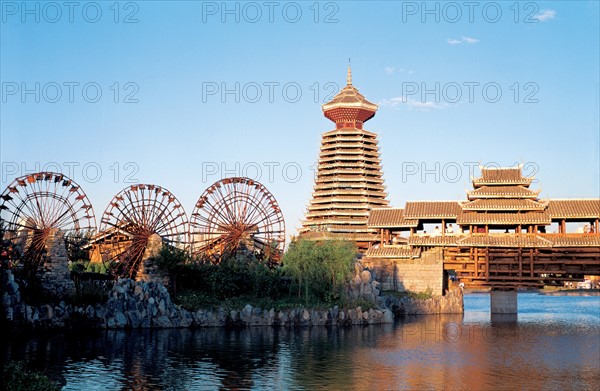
517	191
579	240
425	240
483	218
349	97
507	240
500	176
582	208
393	252
351	131
432	209
325	235
504	240
323	199
334	179
389	218
503	204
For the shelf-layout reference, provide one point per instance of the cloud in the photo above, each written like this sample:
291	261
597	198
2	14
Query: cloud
391	70
470	40
411	103
544	15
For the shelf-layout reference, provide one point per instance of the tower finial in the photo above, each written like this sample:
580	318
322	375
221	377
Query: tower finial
349	78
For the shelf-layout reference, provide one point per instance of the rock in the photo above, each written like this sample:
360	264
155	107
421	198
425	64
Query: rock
120	320
161	307
247	310
388	316
134	318
90	312
111	323
163	322
365	276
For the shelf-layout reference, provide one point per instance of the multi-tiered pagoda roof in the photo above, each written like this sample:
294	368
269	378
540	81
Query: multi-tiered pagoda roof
502	198
349	180
500	201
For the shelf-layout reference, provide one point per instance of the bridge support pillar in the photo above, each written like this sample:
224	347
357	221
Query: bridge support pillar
503	302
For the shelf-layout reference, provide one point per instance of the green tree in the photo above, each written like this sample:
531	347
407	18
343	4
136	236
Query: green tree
170	261
320	269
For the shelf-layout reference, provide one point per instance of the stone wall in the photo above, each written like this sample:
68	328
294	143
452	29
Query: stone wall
148	271
415	275
139	304
54	274
451	303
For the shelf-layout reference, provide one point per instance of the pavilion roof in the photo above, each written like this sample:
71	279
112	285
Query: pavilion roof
574	208
393	252
576	240
433	240
501	176
432	210
517	191
502	219
504	240
488	204
389	218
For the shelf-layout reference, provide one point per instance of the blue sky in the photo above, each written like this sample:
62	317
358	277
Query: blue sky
162	118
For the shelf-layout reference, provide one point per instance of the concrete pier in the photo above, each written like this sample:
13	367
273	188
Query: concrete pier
503	302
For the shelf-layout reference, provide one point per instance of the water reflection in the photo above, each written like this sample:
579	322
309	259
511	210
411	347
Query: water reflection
554	343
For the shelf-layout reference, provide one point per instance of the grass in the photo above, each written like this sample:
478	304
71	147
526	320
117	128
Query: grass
193	301
428	294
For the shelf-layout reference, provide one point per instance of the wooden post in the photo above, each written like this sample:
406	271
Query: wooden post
520	264
443	228
476	259
381	242
487	264
563	226
531	262
597	224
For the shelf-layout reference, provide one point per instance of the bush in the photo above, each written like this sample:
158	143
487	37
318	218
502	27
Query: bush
197	283
15	377
320	269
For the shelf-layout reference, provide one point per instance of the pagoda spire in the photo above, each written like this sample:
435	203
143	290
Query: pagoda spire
349	180
349	78
349	108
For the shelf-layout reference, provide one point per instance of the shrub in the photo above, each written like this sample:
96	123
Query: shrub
15	377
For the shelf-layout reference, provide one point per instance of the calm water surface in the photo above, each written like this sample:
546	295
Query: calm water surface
553	344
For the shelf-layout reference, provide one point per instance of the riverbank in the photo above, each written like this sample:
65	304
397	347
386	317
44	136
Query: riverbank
138	304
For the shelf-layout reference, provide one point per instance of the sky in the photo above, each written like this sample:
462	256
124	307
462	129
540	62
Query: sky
183	93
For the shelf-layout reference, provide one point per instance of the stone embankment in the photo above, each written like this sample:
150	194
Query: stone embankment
138	304
451	303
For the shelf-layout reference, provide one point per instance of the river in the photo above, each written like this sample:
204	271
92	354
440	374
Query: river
553	343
